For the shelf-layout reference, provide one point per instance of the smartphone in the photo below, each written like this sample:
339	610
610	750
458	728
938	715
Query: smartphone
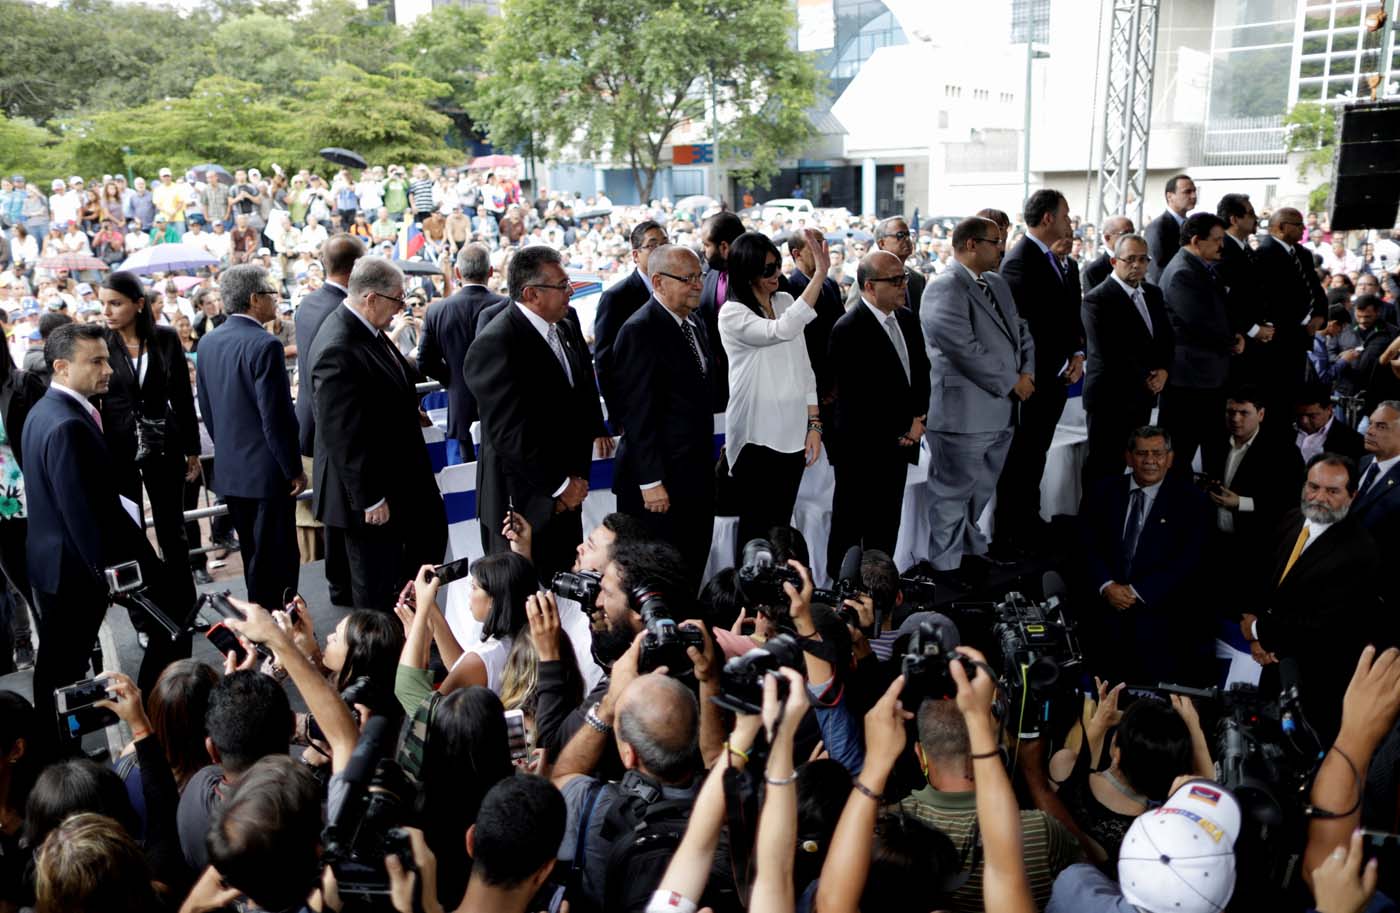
123	578
76	714
515	735
452	570
510	514
224	640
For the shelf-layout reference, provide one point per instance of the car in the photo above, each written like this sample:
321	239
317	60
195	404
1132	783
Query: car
787	207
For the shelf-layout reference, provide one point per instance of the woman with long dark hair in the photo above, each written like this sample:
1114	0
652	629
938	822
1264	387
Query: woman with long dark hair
772	427
149	422
500	584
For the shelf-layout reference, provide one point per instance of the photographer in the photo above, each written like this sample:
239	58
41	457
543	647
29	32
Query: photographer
90	863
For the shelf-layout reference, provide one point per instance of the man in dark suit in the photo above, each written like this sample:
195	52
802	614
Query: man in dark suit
1048	299
1319	597
716	234
620	302
1258	471
893	235
1238	272
1194	398
882	396
1164	232
539	412
374	480
1377	504
1130	353
338	257
818	333
1319	429
246	402
1143	537
667	367
78	524
448	330
1098	269
1292	301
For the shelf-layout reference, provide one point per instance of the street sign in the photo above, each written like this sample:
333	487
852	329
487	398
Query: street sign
697	154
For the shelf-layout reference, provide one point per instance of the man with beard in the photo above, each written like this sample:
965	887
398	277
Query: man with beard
716	234
1320	600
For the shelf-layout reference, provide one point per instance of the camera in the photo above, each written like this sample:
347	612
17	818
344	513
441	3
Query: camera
76	714
357	692
216	606
124	578
665	642
368	824
931	650
581	586
741	679
1036	638
850	585
761	579
516	736
452	570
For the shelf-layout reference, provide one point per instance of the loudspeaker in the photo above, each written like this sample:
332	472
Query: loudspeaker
1366	168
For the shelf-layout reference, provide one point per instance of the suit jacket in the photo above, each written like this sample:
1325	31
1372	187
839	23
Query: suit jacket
1377	508
975	357
311	313
1049	303
165	393
537	431
1095	272
616	305
1287	301
818	333
369	444
1121	350
1345	441
1163	241
1200	323
448	330
1169	548
708	315
245	398
1271	473
1239	271
77	526
875	402
668	406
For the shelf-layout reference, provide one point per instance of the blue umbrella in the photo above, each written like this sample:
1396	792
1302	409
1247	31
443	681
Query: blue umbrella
202	172
164	258
849	235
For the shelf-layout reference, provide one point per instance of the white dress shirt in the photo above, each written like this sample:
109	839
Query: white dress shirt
770	376
1135	295
645	486
86	403
1310	445
1225	519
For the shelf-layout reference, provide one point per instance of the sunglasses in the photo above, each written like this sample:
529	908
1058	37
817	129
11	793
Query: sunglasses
770	268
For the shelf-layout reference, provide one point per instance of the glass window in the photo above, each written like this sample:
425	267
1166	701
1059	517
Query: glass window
1311	68
1347	16
1310	91
1316	22
1344	41
1250	83
1246	36
1336	87
1315	44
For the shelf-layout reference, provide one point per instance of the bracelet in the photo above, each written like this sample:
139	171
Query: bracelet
736	751
785	781
595	722
815	426
867	791
138	735
994	753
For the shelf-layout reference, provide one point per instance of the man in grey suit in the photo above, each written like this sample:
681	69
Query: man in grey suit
982	366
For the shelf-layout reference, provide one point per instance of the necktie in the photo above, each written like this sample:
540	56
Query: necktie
553	338
1142	309
694	345
1055	265
1367	479
897	340
1133	528
392	355
1297	550
96	416
987	293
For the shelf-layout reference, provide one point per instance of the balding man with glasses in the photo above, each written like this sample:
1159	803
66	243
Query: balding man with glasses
893	235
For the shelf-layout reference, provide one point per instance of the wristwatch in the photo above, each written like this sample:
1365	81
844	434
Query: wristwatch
595	721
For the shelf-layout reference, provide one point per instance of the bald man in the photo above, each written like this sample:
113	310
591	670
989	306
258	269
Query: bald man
1098	269
1291	301
666	372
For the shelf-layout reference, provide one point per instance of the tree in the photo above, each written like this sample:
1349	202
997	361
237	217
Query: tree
1312	128
261	49
384	118
28	149
620	76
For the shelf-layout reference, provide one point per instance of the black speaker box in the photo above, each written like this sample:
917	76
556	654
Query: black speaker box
1366	168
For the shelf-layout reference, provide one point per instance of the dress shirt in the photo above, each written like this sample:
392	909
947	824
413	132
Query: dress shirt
1149	496
1225	519
1134	293
1310	445
87	405
542	327
901	347
771	383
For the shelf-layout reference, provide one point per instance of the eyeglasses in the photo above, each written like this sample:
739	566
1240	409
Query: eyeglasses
651	245
901	279
565	287
900	235
770	268
996	241
688	280
1132	261
393	298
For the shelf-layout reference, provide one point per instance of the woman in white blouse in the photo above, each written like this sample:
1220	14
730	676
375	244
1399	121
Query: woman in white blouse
771	428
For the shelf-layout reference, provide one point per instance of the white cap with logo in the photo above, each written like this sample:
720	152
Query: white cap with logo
1180	858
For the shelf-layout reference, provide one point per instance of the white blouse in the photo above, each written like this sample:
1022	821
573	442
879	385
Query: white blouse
771	383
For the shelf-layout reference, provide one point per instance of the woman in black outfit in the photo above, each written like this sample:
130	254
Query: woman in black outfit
152	434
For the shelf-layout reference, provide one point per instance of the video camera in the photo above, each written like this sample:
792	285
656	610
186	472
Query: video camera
368	824
582	587
665	642
741	679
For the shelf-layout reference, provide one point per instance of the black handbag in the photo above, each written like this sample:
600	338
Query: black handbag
150	432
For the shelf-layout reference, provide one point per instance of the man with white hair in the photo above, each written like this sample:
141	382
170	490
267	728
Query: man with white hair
374	481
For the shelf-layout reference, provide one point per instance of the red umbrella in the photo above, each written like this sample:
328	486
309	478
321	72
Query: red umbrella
72	262
492	161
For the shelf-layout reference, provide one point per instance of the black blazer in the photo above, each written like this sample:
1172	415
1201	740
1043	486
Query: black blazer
311	313
1271	473
818	333
667	404
1121	351
1170	546
616	305
77	526
448	330
1163	236
166	393
1238	270
1377	508
875	402
245	399
1345	441
1094	272
1287	300
1048	303
1195	302
369	443
708	316
537	431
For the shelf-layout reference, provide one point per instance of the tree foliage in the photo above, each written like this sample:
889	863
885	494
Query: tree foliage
619	77
1312	129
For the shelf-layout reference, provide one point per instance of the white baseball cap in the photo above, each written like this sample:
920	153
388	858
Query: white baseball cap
163	172
57	184
1180	858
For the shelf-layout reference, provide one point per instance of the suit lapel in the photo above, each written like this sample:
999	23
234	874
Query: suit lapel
981	301
1379	488
875	328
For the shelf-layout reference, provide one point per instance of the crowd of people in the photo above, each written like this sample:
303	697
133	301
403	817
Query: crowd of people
621	731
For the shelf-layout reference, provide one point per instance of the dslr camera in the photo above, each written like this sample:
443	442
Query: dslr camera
665	642
741	679
582	587
931	650
368	825
761	578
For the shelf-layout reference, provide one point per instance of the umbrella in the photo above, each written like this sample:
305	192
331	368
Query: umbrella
849	235
697	203
185	283
419	268
202	172
596	212
72	262
482	162
343	157
584	283
162	258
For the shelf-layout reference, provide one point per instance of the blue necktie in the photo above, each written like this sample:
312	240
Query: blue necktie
1133	528
1055	265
